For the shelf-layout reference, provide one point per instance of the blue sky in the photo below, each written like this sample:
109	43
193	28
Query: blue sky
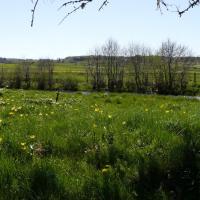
137	21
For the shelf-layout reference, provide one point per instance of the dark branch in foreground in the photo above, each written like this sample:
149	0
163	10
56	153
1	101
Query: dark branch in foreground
33	12
78	4
191	4
81	4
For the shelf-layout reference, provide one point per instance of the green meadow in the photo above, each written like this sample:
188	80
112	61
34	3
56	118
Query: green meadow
98	146
77	71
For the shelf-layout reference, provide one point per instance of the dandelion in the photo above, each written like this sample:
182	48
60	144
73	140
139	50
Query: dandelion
40	114
96	109
13	108
109	116
32	136
21	115
123	123
104	170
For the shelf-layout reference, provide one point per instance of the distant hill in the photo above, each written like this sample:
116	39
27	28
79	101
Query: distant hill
70	59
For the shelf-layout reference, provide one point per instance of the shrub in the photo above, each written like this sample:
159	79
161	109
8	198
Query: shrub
70	84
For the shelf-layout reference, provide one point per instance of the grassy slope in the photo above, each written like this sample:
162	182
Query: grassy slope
92	146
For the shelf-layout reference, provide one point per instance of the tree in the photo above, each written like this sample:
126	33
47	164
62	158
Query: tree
173	62
81	4
138	55
96	70
114	65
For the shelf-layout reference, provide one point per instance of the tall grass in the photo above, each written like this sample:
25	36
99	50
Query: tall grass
98	146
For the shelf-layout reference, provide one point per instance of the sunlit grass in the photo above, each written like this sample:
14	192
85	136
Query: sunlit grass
93	146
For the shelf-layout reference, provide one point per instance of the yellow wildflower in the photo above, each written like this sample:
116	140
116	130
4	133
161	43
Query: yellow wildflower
167	111
32	136
23	143
109	116
104	170
13	108
123	123
96	109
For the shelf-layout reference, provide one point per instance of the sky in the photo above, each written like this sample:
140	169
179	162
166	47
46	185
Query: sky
135	21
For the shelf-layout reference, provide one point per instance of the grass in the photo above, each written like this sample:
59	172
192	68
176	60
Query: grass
98	146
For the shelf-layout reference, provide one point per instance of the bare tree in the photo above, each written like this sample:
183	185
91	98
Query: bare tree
114	65
173	61
138	58
96	69
26	74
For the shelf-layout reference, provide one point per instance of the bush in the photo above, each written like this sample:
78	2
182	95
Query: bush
70	84
131	86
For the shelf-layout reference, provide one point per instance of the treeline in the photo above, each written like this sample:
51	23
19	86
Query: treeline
39	75
163	71
135	68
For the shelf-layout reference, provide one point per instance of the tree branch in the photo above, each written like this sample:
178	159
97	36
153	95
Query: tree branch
81	4
33	12
191	4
